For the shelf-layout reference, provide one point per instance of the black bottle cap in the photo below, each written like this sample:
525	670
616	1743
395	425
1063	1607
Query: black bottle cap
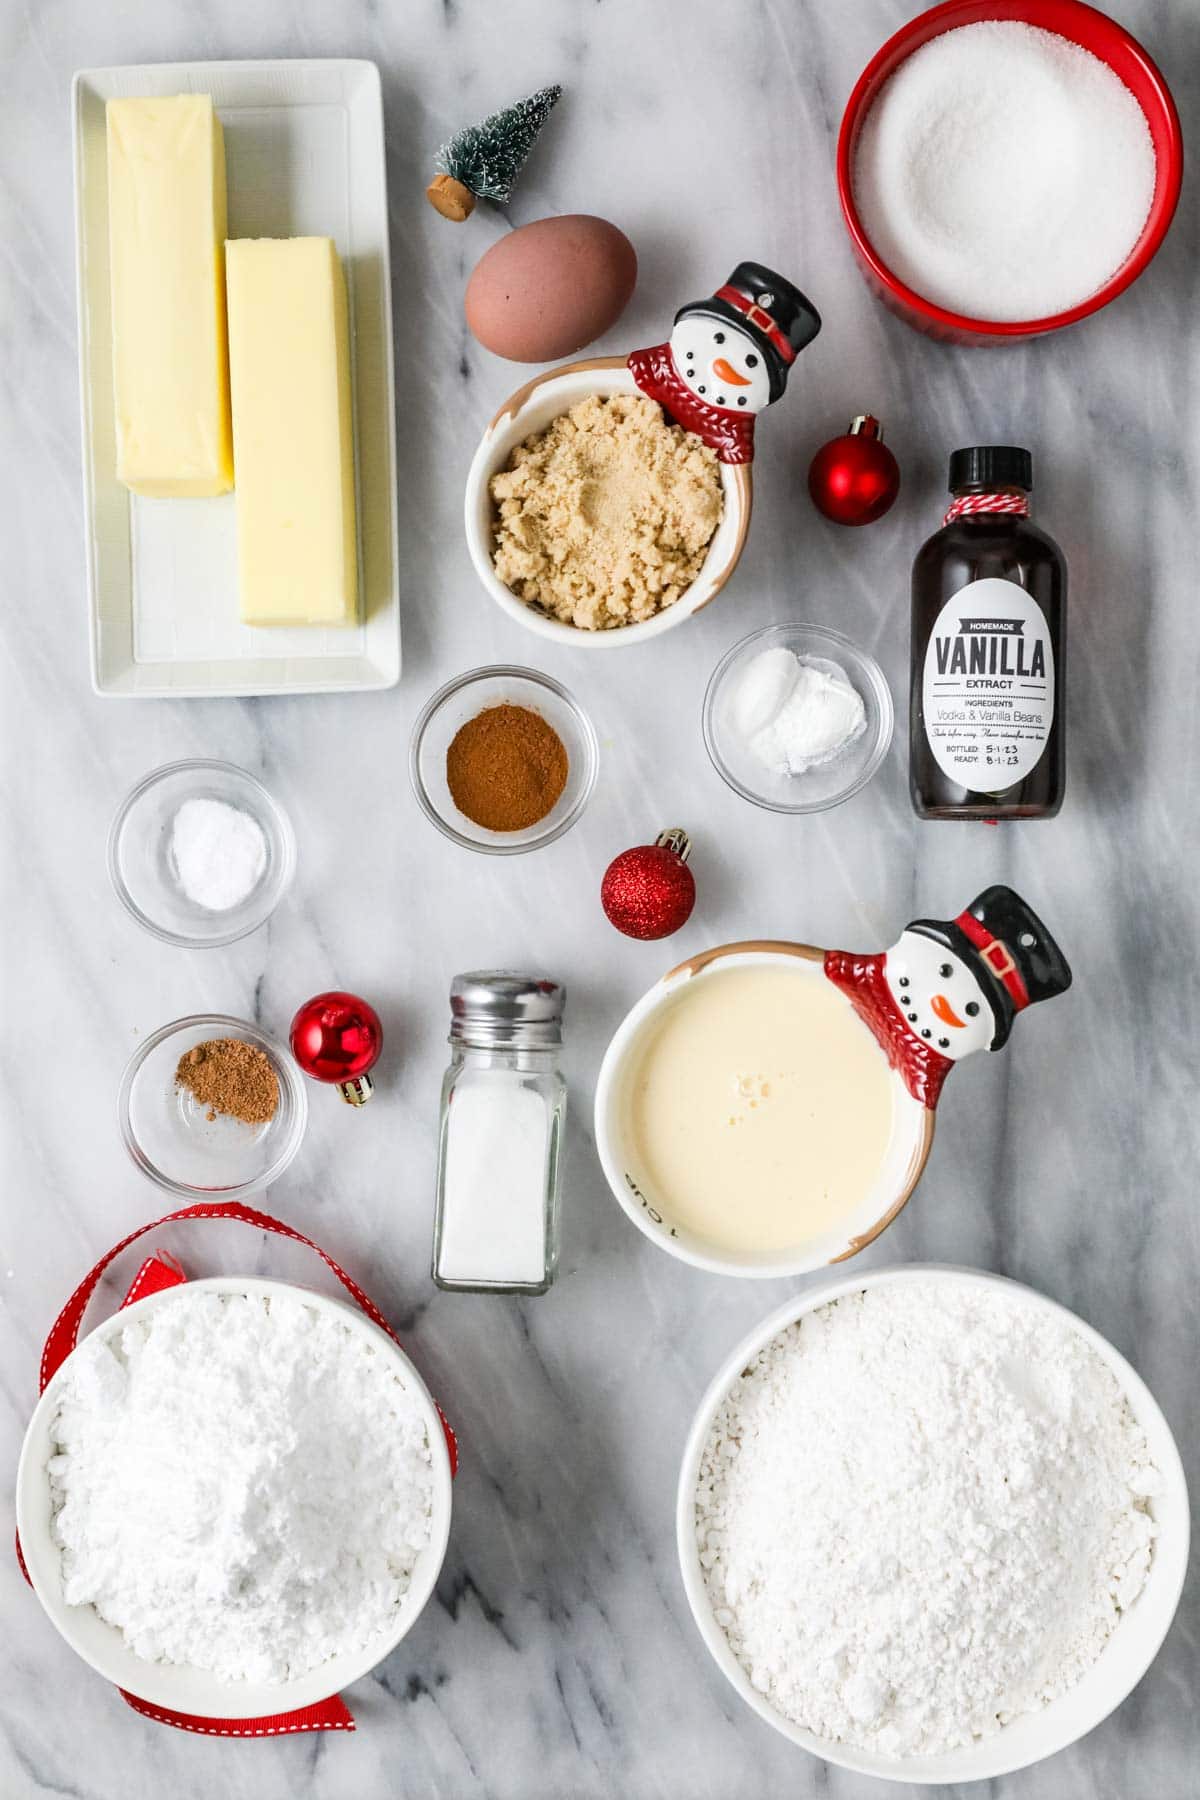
990	467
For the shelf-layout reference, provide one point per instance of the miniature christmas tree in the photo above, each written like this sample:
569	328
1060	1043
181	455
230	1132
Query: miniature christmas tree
483	161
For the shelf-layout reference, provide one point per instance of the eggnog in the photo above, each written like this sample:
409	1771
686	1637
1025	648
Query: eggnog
760	1108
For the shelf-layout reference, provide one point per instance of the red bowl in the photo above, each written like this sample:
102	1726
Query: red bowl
1083	25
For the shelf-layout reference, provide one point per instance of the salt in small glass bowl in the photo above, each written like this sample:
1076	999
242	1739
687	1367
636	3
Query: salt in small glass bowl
829	783
139	853
169	1135
465	698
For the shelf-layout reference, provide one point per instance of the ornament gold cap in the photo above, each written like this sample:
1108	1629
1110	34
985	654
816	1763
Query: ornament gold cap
358	1091
677	840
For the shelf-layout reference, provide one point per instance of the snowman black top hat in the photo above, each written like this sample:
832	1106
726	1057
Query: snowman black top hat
1008	950
767	308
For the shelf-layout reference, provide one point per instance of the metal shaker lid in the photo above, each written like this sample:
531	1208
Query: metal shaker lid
493	1009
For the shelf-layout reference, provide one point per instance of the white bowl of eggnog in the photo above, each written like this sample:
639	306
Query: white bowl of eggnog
749	1122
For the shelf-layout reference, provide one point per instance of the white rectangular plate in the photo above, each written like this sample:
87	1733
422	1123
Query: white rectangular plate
304	146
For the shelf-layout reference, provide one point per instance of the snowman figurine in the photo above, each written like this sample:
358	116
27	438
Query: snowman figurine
728	357
950	987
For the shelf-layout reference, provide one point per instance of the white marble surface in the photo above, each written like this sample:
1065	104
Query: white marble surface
558	1658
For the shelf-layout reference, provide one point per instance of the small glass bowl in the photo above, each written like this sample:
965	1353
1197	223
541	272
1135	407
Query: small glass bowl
139	854
464	698
828	784
169	1134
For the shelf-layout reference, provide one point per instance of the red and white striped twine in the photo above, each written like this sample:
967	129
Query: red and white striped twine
987	503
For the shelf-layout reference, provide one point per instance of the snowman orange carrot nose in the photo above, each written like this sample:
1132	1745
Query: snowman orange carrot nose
726	372
945	1012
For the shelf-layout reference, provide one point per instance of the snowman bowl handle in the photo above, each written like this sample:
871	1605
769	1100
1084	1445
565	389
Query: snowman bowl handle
950	987
729	357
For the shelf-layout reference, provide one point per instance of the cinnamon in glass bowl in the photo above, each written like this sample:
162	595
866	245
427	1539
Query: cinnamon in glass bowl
506	768
503	759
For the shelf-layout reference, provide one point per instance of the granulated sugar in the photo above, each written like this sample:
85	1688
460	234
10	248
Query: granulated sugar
1004	172
242	1484
921	1512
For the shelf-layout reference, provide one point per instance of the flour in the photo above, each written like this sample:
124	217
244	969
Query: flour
921	1512
241	1484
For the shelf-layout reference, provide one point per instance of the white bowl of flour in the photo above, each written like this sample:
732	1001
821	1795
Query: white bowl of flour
932	1527
234	1497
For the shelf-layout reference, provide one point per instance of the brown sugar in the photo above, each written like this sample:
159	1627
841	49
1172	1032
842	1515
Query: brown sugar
604	518
506	768
228	1075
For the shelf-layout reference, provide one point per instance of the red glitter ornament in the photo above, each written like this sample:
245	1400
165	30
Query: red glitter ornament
855	478
336	1038
649	892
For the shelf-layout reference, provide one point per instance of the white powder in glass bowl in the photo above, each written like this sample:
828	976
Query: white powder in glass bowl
218	853
921	1512
241	1483
1004	172
795	713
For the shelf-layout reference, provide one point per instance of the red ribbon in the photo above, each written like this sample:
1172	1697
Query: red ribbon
161	1271
986	503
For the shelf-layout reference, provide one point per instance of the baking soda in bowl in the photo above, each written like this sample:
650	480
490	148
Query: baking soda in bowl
921	1513
1004	172
241	1483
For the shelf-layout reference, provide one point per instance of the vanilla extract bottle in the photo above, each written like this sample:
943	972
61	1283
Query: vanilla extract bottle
989	614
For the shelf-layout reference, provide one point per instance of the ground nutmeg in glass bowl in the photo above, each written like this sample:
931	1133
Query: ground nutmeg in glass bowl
506	768
230	1076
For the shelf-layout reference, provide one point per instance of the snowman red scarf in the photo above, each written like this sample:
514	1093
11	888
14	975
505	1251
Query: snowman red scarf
861	978
730	434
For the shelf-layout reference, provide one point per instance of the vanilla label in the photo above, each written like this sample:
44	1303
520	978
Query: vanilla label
988	685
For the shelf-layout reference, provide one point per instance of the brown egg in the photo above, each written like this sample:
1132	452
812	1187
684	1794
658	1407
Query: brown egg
548	289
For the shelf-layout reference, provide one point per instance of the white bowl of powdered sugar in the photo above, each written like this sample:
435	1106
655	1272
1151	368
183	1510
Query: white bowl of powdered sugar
234	1498
932	1527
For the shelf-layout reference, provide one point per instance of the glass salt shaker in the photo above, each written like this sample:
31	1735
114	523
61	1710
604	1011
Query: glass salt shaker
500	1136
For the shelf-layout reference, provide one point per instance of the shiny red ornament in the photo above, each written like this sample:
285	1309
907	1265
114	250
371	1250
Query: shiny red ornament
336	1038
854	479
649	892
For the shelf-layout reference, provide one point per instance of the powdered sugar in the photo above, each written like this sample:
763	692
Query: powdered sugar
1004	172
921	1511
241	1483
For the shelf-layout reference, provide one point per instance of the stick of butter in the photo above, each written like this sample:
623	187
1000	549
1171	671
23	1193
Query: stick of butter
289	358
166	226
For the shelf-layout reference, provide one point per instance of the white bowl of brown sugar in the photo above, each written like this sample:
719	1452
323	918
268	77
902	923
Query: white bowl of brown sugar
609	499
565	507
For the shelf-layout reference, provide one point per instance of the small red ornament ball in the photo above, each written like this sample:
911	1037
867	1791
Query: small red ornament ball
336	1037
854	479
649	892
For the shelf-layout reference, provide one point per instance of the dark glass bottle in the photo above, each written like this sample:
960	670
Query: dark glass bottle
989	615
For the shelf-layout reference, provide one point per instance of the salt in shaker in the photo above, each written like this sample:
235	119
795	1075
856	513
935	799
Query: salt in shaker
499	1142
